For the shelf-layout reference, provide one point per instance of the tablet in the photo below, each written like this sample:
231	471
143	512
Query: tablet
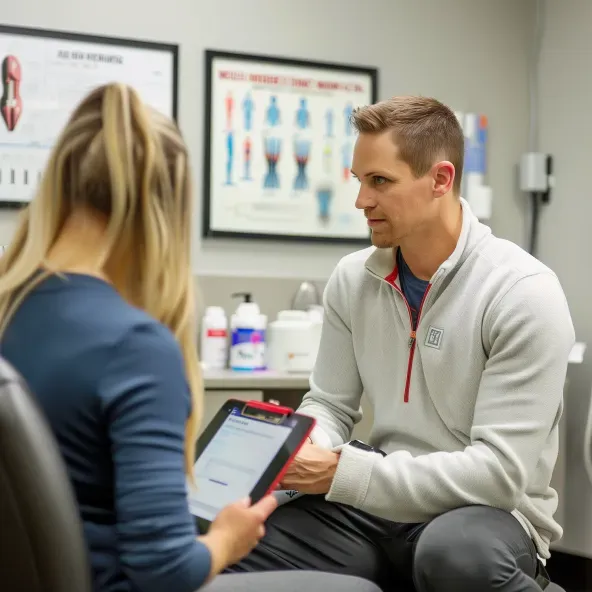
244	452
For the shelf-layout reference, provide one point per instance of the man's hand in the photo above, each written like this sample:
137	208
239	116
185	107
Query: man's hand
312	470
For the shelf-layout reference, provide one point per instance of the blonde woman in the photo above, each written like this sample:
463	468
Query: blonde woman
96	313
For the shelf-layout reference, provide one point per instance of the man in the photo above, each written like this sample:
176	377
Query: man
460	341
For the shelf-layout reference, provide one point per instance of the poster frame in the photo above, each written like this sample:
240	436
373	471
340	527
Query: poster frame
41	33
210	56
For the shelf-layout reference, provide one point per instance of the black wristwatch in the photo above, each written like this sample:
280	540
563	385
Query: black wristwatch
363	446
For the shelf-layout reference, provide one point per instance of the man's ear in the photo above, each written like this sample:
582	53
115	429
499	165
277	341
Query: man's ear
443	174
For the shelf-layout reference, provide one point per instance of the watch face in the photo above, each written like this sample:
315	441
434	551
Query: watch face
358	444
364	446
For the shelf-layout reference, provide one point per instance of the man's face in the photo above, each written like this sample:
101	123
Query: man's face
395	202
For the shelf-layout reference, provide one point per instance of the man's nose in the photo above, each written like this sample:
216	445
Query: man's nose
365	198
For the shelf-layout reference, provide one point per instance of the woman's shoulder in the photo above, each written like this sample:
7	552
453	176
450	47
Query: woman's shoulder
91	308
84	322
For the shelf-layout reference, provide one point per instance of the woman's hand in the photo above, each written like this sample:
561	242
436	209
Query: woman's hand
236	531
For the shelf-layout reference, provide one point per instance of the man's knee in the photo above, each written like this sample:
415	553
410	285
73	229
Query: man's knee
455	553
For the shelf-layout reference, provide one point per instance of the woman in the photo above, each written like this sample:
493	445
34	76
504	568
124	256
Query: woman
96	313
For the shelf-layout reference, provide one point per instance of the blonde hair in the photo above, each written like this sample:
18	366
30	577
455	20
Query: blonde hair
424	131
127	162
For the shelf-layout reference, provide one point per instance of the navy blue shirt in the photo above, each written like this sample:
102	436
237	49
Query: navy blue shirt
112	383
413	288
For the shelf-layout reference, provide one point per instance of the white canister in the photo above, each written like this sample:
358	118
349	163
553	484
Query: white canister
214	338
292	342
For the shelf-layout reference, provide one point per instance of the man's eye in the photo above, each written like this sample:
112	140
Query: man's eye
379	180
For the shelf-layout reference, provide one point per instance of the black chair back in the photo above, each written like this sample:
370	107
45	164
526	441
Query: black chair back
42	548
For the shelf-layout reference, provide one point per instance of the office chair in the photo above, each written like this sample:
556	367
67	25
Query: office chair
42	548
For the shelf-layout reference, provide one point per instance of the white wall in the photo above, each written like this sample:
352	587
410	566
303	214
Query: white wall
469	53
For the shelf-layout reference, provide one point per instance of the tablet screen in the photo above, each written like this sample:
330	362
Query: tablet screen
234	461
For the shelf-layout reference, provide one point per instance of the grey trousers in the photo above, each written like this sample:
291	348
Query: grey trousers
302	581
470	549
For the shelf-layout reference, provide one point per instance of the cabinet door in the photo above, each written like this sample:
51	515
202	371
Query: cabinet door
215	399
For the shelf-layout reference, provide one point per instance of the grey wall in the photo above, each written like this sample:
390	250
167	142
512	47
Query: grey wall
565	82
469	53
271	294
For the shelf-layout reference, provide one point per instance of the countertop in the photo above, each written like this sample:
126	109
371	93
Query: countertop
260	380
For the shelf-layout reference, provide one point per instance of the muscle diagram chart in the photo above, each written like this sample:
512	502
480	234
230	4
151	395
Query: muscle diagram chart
281	146
44	78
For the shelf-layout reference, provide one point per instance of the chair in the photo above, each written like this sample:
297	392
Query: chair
42	547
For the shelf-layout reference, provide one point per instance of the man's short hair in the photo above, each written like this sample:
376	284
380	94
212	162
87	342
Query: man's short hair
424	130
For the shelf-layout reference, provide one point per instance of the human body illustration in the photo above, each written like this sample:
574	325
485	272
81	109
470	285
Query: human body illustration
301	154
272	155
302	115
229	102
272	116
272	144
11	102
229	157
248	109
302	145
324	198
247	154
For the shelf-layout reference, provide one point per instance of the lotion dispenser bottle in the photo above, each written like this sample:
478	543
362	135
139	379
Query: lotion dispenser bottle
248	325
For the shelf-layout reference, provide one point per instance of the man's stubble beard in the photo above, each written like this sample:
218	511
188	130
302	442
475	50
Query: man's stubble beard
382	241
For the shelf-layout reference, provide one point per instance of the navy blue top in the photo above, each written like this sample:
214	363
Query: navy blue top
112	383
412	287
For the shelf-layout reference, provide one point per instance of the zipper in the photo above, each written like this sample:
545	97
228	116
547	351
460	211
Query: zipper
412	336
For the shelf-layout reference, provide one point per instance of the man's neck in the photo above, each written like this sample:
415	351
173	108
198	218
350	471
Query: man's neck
427	249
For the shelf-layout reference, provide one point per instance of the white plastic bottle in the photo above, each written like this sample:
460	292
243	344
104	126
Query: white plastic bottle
247	349
214	338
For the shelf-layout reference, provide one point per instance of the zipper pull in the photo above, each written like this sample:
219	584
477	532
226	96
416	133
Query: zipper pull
412	336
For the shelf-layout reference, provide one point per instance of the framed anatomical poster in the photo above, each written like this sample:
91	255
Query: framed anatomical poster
278	148
45	74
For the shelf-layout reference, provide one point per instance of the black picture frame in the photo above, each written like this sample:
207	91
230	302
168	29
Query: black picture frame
124	42
208	230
